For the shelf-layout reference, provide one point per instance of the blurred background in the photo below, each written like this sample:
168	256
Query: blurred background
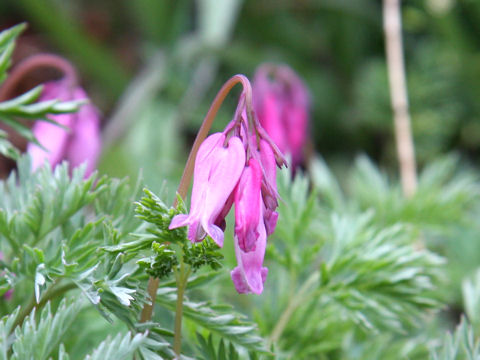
153	67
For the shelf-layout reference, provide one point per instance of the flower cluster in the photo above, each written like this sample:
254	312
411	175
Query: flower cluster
80	144
236	166
282	105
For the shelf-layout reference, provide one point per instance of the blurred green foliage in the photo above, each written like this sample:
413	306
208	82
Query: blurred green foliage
336	46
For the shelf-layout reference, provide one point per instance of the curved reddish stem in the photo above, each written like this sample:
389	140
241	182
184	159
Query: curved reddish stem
207	124
32	63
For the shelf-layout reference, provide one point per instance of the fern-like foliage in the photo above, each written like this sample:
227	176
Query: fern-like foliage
7	324
7	45
38	340
334	273
461	345
123	347
444	195
52	226
223	351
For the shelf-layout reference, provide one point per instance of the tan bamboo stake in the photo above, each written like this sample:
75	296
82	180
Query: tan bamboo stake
392	24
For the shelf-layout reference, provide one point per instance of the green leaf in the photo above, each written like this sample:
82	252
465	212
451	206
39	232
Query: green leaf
205	253
209	351
118	348
376	276
462	345
7	44
147	346
6	327
38	340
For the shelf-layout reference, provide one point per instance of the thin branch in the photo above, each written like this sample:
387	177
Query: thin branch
54	291
392	24
182	279
293	304
33	63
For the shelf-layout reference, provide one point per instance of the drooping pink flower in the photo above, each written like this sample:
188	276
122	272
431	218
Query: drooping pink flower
82	143
281	103
221	178
248	199
217	171
250	274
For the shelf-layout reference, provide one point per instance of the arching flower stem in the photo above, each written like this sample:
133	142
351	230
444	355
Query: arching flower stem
207	124
32	63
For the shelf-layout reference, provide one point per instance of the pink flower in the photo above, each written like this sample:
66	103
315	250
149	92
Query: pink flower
81	144
248	200
281	103
217	171
222	178
250	275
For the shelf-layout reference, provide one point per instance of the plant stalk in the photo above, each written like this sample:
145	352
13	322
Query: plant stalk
32	63
182	279
188	170
54	291
392	23
293	304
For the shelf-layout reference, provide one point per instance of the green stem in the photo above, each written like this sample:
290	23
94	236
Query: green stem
182	279
52	292
291	307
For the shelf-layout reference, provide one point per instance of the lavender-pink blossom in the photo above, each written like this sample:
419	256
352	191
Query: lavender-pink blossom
217	170
82	143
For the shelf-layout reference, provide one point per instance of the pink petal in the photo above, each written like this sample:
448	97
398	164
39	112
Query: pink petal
53	138
270	218
179	221
247	206
297	123
85	142
250	275
271	119
220	221
216	173
226	165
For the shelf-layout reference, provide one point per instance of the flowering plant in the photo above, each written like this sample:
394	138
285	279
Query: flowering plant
90	268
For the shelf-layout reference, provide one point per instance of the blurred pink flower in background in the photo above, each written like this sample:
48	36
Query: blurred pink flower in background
81	143
282	106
